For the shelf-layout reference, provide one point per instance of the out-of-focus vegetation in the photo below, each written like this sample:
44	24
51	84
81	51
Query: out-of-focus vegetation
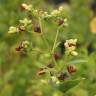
18	70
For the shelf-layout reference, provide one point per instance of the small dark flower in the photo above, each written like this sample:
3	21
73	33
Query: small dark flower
71	69
22	45
50	65
60	22
62	76
37	29
19	48
57	56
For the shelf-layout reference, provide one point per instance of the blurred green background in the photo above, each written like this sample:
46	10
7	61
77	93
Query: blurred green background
18	71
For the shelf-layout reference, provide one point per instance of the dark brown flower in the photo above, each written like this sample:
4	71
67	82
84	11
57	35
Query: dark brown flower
62	76
37	29
60	22
71	69
57	56
19	48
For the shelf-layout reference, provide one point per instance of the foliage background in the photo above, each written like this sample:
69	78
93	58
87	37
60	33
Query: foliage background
18	71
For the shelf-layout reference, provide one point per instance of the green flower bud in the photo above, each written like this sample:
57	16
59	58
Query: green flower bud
13	29
25	21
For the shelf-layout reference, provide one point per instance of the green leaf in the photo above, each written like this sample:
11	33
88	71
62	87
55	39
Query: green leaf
77	61
68	84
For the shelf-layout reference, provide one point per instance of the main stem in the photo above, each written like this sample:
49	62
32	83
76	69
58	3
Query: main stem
55	41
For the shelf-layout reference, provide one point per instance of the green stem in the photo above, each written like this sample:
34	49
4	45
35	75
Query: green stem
66	57
54	60
38	50
55	41
54	46
42	34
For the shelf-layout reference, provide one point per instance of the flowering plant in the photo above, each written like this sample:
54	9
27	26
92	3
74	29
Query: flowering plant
58	65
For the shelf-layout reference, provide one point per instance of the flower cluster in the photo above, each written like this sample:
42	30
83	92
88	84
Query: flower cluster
25	22
13	29
70	46
23	45
26	7
29	8
22	26
57	12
